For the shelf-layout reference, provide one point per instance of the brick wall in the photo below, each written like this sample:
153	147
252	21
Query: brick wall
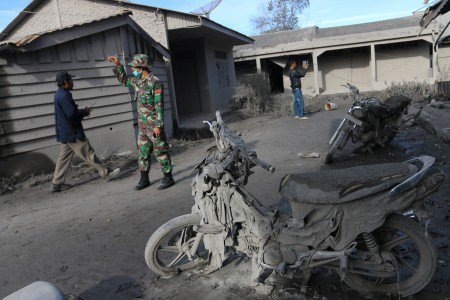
79	11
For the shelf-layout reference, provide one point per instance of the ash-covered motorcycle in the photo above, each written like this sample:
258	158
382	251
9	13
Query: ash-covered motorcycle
369	120
362	222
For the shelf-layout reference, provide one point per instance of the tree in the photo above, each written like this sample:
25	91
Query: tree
279	15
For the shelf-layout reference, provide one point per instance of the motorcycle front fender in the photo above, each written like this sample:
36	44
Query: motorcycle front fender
333	138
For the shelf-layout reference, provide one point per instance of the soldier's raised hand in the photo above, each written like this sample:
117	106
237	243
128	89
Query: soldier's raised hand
157	131
114	59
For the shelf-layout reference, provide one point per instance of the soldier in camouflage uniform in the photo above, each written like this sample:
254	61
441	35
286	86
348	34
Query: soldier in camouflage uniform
149	92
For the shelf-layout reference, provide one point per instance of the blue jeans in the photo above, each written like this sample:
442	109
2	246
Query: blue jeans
298	102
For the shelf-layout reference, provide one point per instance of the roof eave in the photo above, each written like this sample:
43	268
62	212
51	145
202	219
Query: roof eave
225	30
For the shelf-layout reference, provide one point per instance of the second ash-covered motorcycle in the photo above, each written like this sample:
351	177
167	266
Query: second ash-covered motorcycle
362	222
370	121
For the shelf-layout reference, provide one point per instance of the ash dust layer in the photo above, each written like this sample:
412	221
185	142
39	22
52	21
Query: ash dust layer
89	241
233	281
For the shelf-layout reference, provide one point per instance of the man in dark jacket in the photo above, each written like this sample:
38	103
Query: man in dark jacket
296	85
70	133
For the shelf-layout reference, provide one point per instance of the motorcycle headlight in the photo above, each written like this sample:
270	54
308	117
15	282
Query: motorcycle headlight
357	112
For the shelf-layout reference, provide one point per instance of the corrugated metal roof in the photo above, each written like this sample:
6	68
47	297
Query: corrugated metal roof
22	41
23	14
35	3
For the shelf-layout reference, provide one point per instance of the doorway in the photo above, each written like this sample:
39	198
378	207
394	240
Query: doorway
185	75
275	77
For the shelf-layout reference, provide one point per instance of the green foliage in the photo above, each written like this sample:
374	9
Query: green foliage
279	15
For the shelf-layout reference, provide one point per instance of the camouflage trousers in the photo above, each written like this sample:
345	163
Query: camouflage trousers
149	143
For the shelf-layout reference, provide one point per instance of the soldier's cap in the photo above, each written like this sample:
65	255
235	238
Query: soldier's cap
62	76
140	60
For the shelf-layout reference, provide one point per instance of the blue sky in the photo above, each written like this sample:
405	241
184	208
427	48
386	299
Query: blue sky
236	14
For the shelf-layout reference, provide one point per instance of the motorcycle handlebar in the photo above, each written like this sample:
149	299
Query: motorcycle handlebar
263	164
236	142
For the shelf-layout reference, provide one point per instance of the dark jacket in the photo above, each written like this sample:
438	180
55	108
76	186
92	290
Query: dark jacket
295	76
68	118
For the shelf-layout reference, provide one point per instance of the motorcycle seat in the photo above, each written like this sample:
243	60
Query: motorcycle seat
396	103
390	106
344	185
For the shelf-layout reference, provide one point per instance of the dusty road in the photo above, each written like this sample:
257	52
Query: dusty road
89	240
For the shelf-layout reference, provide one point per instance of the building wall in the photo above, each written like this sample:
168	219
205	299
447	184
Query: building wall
27	87
221	74
444	62
341	66
403	61
80	11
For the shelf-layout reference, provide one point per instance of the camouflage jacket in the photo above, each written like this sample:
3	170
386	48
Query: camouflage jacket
148	92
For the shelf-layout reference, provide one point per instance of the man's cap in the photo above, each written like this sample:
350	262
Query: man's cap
62	76
140	60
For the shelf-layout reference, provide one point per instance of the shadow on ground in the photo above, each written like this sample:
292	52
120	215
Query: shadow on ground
117	288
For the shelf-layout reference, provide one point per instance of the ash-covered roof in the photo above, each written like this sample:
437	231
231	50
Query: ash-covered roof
24	40
310	33
34	41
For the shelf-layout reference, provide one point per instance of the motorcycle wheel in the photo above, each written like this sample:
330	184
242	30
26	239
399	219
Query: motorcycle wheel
415	259
341	137
165	252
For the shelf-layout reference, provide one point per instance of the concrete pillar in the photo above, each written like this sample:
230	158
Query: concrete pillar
435	65
316	72
373	66
435	57
258	65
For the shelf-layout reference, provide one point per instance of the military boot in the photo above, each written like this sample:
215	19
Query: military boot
167	182
143	182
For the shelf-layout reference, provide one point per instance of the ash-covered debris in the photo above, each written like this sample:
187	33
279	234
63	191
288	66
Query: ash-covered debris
7	185
41	179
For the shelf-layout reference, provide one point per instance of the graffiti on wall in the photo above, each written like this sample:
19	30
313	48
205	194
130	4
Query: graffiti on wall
223	81
222	74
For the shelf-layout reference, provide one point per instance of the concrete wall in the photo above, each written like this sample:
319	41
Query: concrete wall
342	66
79	11
27	87
444	62
221	74
403	61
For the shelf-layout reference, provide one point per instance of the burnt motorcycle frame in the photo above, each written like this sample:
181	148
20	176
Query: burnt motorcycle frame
226	216
360	125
